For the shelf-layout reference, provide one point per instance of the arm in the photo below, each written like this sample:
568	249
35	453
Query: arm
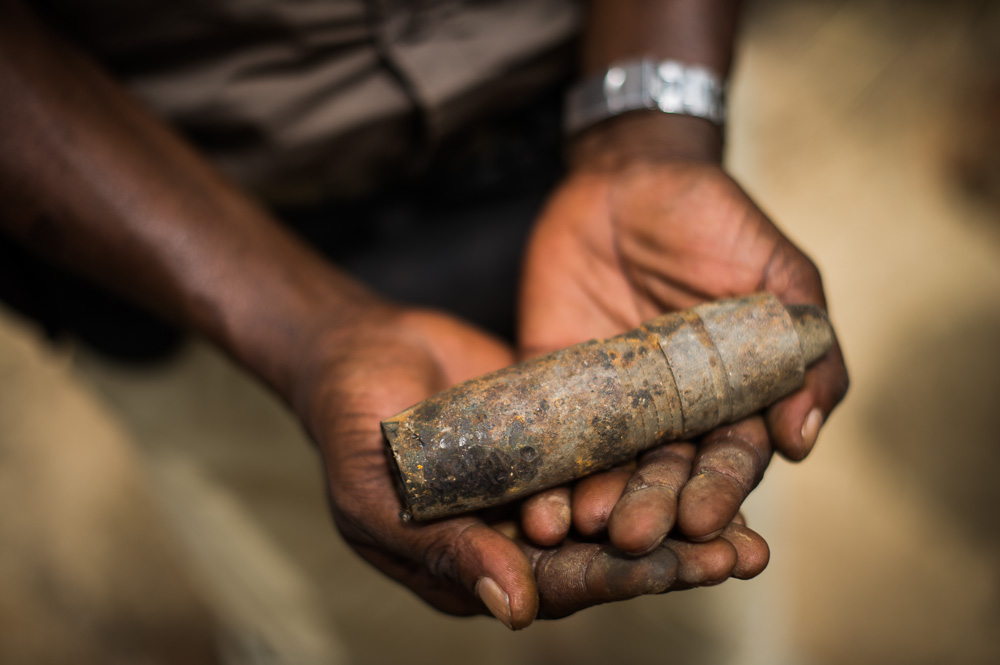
647	221
90	179
690	31
95	182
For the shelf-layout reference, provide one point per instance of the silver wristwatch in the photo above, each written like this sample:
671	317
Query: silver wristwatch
668	86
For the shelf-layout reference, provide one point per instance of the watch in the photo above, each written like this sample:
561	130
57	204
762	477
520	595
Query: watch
668	86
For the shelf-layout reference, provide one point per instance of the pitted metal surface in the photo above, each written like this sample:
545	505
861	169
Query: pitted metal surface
567	414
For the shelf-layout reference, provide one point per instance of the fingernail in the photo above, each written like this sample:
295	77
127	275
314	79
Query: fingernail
810	429
495	599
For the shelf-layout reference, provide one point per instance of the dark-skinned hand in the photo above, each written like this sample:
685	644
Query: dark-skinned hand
352	377
618	246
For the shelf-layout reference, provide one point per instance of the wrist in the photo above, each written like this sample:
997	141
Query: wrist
646	137
336	345
269	300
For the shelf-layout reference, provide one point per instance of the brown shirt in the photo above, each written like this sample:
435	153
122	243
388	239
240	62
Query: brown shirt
309	98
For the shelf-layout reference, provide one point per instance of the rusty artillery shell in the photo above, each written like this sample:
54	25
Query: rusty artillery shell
562	416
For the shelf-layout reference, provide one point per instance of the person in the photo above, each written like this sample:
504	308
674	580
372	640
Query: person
644	221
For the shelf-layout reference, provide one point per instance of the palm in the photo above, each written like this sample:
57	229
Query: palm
614	249
396	363
611	252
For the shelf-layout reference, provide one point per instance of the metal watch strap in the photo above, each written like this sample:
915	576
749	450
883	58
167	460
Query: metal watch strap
668	86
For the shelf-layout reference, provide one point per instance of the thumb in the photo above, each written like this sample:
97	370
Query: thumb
795	421
449	562
485	562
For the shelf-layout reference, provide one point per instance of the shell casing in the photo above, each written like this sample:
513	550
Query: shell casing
570	413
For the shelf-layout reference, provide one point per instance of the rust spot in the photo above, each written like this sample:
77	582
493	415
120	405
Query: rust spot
551	419
641	397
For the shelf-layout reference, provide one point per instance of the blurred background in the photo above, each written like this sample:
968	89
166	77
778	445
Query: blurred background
175	513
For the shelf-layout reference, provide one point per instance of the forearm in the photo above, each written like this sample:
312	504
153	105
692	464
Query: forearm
91	180
696	32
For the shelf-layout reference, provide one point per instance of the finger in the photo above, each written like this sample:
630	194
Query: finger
730	462
546	517
647	509
443	595
702	564
752	552
795	421
594	497
483	561
574	577
739	552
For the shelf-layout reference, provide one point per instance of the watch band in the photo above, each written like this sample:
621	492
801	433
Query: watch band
668	86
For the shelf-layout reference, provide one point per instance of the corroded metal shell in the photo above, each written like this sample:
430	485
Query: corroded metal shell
567	414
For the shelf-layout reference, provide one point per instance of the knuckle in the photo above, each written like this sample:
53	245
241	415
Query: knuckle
734	479
734	459
443	551
642	482
744	444
681	454
591	579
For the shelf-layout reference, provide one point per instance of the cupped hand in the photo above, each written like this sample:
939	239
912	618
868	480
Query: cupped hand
616	247
351	378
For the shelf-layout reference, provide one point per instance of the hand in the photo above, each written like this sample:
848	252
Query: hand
617	246
348	381
573	571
